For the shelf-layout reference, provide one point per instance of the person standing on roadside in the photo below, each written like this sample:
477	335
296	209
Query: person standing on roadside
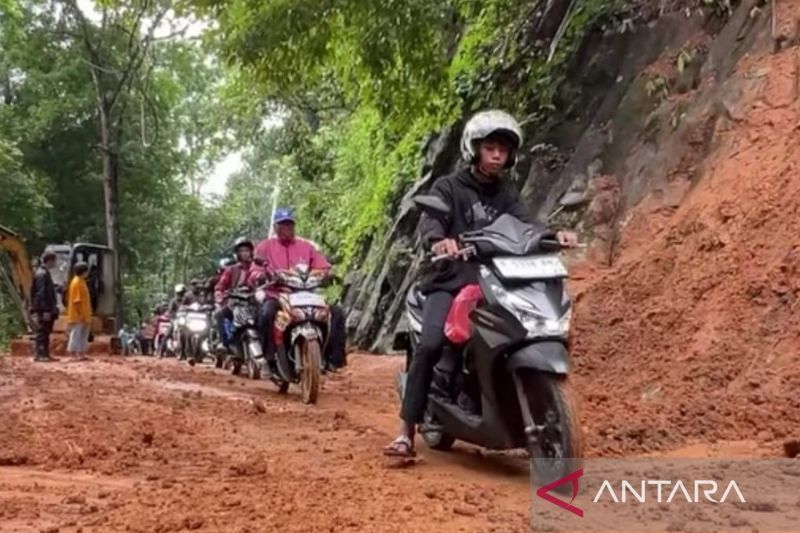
44	306
79	312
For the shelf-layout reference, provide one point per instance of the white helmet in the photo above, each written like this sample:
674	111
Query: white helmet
484	124
180	288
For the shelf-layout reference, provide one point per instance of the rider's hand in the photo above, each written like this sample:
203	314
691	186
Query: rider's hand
447	247
567	239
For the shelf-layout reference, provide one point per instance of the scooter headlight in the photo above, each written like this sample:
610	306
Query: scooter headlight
539	327
197	326
181	321
530	319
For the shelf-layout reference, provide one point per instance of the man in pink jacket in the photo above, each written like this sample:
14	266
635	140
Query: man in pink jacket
284	252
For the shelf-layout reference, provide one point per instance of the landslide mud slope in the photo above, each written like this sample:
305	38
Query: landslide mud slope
694	334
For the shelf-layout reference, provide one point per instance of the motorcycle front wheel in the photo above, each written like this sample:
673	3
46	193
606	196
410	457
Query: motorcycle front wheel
253	368
311	356
558	448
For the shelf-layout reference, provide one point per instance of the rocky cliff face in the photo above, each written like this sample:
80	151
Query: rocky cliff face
643	108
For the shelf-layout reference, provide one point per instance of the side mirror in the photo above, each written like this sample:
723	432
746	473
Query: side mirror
573	199
432	205
259	262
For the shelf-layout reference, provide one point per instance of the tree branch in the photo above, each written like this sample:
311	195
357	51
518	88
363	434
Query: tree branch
98	67
139	52
173	34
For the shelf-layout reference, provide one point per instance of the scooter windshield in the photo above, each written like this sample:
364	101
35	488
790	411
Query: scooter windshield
505	236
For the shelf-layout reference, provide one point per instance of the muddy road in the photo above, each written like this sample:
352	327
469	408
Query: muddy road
156	446
144	445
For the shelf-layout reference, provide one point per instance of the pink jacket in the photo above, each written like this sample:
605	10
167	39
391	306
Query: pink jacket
279	256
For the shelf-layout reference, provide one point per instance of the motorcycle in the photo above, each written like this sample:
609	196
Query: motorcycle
178	346
162	335
195	334
301	330
507	349
245	341
129	343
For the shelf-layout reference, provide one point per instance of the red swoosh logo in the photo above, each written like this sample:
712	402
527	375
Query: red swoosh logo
544	492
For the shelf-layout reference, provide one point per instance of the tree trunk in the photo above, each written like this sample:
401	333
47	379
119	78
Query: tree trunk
111	195
111	192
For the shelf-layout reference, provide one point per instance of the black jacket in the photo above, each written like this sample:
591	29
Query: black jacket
43	293
473	205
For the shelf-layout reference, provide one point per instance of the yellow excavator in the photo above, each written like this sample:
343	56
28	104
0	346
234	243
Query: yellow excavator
16	273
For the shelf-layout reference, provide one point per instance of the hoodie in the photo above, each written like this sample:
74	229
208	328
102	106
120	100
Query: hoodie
473	206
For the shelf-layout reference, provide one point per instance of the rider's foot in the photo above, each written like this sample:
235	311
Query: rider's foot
402	446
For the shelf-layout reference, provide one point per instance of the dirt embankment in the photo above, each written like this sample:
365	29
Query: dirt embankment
694	334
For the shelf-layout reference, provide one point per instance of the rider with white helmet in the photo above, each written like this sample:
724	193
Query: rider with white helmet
476	197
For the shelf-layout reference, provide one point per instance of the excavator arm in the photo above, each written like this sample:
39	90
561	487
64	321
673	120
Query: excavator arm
17	275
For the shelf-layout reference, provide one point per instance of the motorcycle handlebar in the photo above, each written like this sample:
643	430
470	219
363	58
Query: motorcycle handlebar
549	244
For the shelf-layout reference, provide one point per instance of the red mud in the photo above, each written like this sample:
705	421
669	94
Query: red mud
144	445
156	446
694	334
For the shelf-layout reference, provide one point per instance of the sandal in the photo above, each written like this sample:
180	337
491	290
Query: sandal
402	446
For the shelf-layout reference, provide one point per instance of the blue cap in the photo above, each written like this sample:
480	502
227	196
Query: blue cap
283	214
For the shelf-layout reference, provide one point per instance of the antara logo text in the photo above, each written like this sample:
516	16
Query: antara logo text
644	491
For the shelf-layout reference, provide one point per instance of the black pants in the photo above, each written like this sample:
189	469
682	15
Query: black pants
335	352
266	322
43	330
420	373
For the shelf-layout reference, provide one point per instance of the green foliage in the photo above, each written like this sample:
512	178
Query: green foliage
170	132
330	101
360	84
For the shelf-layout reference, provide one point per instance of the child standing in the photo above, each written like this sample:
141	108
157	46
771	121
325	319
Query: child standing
79	313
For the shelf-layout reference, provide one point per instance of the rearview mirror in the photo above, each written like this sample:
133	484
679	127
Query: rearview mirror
433	205
573	199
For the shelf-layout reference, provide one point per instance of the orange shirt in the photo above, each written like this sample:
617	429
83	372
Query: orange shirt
79	304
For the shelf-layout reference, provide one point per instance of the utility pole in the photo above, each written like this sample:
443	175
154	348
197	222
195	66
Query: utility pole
275	193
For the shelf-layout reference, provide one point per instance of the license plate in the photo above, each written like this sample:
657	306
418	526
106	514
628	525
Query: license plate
306	299
532	267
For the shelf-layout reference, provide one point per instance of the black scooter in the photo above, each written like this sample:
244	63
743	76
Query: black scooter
507	384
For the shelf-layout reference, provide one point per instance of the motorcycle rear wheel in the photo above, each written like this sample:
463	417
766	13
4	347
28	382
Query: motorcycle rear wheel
311	354
557	452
